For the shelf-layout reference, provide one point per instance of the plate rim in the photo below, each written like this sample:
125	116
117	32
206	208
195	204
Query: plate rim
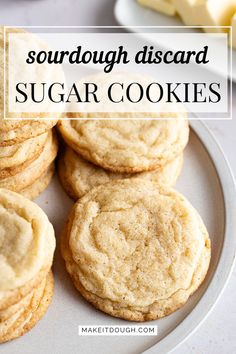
227	257
222	274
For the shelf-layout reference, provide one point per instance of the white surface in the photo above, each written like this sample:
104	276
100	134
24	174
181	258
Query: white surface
217	334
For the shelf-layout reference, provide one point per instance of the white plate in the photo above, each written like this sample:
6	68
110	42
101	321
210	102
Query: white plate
207	182
130	14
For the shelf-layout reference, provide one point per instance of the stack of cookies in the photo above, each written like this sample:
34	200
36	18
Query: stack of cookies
134	247
27	152
99	151
27	244
27	147
135	250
